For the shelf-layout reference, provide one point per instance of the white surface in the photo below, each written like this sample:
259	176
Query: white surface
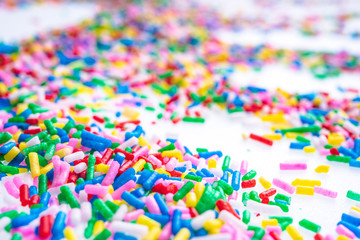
19	23
222	132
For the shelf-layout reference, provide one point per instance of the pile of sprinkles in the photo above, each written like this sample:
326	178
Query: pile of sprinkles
76	162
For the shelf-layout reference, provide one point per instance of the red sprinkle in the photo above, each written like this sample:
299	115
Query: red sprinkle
261	139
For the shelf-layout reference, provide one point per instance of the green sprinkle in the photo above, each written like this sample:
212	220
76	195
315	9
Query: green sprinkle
90	227
245	198
150	109
336	158
167	148
254	196
149	167
185	189
353	195
246	215
69	197
16	236
193	177
103	209
4	137
249	175
302	139
258	232
9	169
226	163
228	189
105	234
283	197
194	119
199	150
42	185
302	129
310	225
50	127
50	152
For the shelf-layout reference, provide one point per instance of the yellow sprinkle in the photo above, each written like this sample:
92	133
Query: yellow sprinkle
144	220
82	119
356	208
102	168
265	183
306	182
183	234
275	136
139	165
153	234
309	149
162	170
294	233
342	237
54	137
117	202
269	222
143	142
213	225
335	139
322	169
3	88
69	233
131	113
211	163
173	153
280	126
290	135
111	189
11	154
199	189
304	190
245	136
59	125
99	226
191	199
16	136
22	170
34	164
47	168
41	125
22	146
275	118
63	152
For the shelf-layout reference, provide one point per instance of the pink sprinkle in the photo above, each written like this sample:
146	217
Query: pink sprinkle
73	142
18	182
180	147
276	229
111	174
243	167
152	205
293	166
325	192
342	230
324	152
155	160
133	215
169	197
141	152
166	232
96	189
283	185
171	164
12	129
192	159
126	187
